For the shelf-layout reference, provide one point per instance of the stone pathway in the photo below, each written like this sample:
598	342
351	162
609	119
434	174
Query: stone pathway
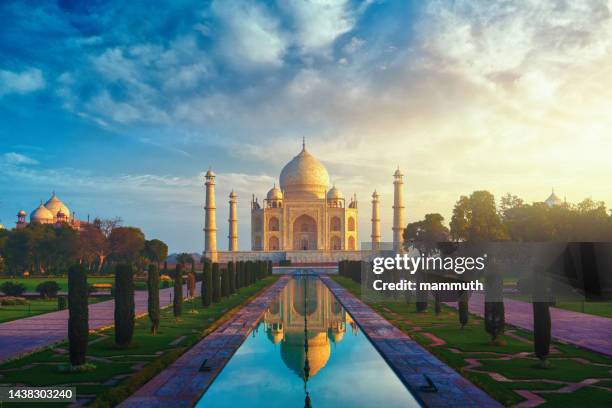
24	336
182	383
411	361
581	329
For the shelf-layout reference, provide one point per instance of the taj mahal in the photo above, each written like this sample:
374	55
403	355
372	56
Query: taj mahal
302	220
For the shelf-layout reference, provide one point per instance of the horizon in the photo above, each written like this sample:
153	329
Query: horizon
122	121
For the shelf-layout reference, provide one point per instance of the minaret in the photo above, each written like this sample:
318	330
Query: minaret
398	210
210	222
375	222
233	223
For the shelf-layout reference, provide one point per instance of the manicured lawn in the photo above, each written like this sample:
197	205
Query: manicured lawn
469	351
121	371
62	281
603	309
36	306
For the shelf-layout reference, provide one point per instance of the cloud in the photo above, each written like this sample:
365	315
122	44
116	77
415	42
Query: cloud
318	23
18	159
249	34
22	82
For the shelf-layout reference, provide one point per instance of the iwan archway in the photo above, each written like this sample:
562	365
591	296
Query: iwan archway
304	233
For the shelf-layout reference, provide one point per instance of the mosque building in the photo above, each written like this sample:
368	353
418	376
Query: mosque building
302	219
54	211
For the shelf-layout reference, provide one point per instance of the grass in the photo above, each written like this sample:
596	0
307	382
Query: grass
121	371
62	281
473	342
597	308
35	307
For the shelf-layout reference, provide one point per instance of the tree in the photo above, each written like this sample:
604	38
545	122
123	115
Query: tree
78	314
177	304
463	306
126	244
494	306
216	283
425	235
232	277
184	259
155	251
124	304
475	219
224	282
153	297
207	284
94	246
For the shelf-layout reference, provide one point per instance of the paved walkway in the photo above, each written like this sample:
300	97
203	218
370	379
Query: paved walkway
581	329
27	335
409	360
182	384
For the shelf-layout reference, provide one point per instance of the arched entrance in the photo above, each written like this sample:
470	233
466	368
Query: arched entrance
304	233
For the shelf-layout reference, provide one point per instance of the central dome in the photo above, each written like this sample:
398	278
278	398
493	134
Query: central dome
304	177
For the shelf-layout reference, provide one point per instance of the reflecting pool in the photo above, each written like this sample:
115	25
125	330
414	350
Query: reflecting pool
307	351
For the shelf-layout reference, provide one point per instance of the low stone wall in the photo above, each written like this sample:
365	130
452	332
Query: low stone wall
296	257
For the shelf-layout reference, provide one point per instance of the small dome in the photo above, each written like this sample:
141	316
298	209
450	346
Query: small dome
55	205
1	227
304	176
41	214
275	194
375	195
210	173
21	213
397	173
334	194
553	200
232	194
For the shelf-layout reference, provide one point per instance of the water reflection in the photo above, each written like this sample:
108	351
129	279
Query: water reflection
306	302
306	352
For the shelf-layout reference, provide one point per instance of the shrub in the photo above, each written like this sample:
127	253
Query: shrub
177	302
207	284
153	298
124	304
48	289
463	307
284	262
62	302
231	273
13	301
541	330
10	288
224	283
216	283
78	312
494	306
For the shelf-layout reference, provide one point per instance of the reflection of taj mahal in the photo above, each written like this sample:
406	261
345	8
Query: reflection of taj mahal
327	323
302	219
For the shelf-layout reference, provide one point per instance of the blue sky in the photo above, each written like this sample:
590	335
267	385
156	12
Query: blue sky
119	108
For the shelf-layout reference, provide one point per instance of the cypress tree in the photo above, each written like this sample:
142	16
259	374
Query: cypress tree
177	302
153	298
216	284
78	312
270	268
191	284
207	281
240	277
124	304
437	303
232	277
224	282
541	331
494	307
463	307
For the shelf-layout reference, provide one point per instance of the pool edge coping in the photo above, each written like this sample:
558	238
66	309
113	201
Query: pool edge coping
454	384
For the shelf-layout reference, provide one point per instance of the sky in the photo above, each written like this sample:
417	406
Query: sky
121	108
